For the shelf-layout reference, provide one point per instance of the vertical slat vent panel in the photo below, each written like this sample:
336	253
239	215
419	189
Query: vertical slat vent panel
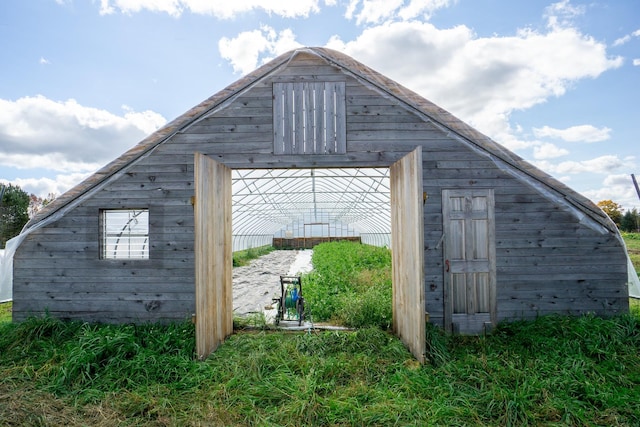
309	118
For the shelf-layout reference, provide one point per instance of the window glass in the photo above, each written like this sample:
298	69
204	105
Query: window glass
125	234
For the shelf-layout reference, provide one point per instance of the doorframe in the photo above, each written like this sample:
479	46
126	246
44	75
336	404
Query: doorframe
213	252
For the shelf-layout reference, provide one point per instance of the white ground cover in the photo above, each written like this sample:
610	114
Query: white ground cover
255	285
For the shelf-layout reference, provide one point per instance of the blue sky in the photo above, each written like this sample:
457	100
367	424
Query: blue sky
555	82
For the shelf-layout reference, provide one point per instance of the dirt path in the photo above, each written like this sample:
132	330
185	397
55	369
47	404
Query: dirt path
255	285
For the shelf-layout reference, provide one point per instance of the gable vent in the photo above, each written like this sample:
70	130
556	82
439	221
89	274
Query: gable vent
309	118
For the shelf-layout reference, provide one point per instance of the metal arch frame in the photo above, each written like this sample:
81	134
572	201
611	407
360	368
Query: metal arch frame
267	201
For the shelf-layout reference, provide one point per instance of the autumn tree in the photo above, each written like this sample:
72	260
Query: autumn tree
14	212
36	203
612	209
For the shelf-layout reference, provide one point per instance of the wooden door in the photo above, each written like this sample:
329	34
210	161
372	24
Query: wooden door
469	260
213	254
407	246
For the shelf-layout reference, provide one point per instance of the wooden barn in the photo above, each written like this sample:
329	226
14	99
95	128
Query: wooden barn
478	235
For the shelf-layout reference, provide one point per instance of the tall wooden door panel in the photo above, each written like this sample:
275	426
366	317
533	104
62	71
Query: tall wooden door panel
214	291
407	225
469	260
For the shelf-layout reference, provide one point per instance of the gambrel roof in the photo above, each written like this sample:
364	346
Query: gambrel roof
452	126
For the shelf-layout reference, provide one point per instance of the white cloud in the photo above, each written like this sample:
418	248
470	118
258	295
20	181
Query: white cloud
561	14
219	9
617	187
548	151
44	186
44	61
636	62
252	48
604	165
416	8
372	10
66	136
622	40
582	133
376	11
626	38
481	79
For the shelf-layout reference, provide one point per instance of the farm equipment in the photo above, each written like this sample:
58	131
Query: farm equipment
290	304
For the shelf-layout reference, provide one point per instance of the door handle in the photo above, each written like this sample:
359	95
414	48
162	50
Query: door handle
447	264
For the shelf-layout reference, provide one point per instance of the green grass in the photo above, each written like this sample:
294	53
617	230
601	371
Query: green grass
553	371
632	240
350	285
242	258
5	311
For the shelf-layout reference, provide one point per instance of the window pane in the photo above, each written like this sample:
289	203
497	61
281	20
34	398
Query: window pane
125	234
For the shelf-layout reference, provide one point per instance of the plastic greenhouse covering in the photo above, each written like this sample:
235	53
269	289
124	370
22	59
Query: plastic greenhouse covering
293	203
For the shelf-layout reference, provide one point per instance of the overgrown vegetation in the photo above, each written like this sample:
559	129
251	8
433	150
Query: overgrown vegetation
632	240
242	258
554	371
350	285
14	211
5	311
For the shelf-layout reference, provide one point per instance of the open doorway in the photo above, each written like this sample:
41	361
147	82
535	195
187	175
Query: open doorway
292	211
213	233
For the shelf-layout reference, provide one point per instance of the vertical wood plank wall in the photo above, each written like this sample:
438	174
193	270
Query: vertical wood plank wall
407	251
214	291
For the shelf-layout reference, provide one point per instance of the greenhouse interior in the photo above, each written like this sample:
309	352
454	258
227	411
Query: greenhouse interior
297	205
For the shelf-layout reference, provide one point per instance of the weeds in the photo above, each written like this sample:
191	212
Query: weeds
552	371
256	320
350	284
242	258
5	311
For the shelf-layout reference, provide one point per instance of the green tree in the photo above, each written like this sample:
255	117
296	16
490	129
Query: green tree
612	209
630	221
14	212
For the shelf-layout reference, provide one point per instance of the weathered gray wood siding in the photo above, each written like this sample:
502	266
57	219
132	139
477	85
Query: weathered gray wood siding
547	261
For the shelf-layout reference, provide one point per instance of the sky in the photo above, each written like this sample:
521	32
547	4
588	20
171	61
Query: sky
82	81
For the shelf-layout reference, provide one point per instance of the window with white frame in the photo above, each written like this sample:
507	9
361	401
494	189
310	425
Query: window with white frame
125	234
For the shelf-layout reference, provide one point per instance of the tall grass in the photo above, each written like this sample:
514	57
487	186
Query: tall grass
5	311
244	257
350	284
632	240
552	371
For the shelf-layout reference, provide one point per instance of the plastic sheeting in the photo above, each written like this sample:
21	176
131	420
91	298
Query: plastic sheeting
634	282
5	288
6	260
6	269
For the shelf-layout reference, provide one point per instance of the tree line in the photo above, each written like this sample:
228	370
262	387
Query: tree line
628	221
16	207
